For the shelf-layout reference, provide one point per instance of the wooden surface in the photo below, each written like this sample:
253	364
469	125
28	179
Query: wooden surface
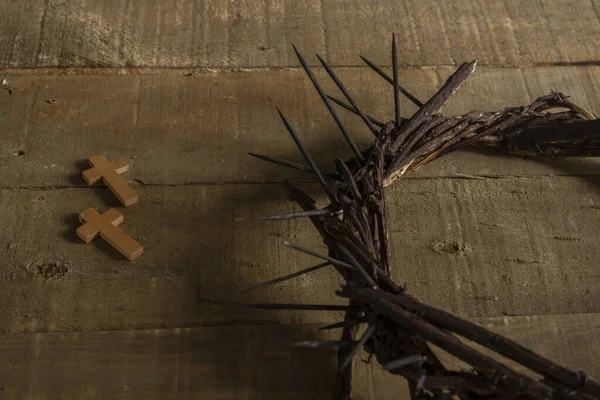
110	172
258	33
234	362
183	91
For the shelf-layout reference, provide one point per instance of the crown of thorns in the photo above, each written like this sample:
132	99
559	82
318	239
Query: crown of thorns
399	328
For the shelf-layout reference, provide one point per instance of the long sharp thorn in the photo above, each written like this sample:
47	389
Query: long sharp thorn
323	343
285	278
357	346
358	267
344	324
291	164
310	213
347	95
420	384
337	119
403	362
308	158
322	256
378	70
396	82
385	76
353	110
293	306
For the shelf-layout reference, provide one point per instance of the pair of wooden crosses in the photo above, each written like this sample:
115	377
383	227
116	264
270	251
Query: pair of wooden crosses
105	224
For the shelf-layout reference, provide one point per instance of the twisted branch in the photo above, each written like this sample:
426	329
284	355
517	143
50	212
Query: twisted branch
353	227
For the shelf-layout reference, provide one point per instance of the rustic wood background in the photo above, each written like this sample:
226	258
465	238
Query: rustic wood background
183	90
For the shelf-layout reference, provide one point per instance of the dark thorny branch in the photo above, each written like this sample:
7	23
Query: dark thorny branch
399	328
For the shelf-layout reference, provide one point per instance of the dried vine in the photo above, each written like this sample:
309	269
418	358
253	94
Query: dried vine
401	329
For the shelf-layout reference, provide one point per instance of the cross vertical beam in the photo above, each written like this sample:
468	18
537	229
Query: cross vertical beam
105	225
110	172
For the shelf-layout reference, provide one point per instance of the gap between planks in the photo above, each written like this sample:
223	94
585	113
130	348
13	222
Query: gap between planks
216	70
137	183
481	321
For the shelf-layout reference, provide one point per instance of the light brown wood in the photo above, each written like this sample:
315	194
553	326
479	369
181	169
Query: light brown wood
474	247
242	362
178	130
106	226
469	233
258	33
110	172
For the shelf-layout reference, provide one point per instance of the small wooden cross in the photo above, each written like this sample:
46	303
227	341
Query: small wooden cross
110	172
106	226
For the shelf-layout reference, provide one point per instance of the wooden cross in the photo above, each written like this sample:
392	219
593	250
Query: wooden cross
106	226
110	172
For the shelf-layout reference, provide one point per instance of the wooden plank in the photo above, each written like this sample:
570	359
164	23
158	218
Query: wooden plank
258	33
569	340
21	33
238	362
202	245
176	129
497	247
474	247
507	32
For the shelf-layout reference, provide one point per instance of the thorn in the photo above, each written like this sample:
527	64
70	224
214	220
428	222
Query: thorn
358	267
347	95
285	278
6	85
357	347
315	83
293	306
310	213
291	164
324	257
352	110
396	82
307	157
344	324
385	76
403	362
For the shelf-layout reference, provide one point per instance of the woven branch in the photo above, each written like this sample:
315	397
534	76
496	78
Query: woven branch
400	328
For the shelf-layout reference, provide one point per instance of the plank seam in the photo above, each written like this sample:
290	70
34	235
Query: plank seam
479	320
208	69
138	183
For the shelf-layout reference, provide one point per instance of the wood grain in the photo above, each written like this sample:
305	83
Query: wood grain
237	362
258	33
476	234
176	129
472	247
